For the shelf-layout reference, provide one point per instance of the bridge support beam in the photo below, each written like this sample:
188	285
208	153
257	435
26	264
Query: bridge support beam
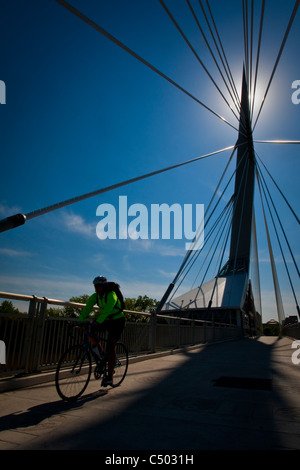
240	243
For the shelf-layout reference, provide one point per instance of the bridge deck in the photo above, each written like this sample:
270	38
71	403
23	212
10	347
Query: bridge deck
170	403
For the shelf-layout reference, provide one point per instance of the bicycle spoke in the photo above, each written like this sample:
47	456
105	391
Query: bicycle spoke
73	373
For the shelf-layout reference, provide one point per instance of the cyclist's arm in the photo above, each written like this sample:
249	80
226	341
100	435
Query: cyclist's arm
92	300
107	307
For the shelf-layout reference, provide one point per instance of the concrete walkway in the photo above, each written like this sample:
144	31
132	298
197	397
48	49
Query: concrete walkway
174	402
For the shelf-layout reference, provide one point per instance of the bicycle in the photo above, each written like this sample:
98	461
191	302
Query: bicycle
74	368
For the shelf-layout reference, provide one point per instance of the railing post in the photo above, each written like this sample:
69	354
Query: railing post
34	334
153	322
40	334
193	327
29	333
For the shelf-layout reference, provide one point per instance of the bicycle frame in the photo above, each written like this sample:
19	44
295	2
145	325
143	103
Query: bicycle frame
88	335
72	382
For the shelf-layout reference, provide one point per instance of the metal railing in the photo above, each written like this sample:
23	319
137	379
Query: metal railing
34	341
293	330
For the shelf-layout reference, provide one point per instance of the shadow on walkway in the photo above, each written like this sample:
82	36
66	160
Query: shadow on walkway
38	413
219	397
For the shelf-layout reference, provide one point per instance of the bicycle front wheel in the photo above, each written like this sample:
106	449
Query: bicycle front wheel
73	373
121	366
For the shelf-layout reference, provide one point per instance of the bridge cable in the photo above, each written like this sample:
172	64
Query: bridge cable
195	53
277	141
255	274
197	253
226	210
224	228
279	304
136	56
297	3
251	47
278	218
227	70
245	29
212	54
220	233
207	237
285	199
248	47
229	181
257	55
12	222
188	254
277	236
192	255
220	265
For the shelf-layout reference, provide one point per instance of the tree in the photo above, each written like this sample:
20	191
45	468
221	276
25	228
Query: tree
55	312
74	312
141	304
7	307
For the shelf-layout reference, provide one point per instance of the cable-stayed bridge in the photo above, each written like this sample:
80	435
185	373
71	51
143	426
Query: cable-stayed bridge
234	290
225	395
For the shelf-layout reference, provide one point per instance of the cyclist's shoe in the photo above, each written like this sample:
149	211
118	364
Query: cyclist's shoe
107	381
98	370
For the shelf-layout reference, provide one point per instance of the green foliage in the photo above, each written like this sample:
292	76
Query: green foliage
55	312
271	330
7	307
141	304
74	312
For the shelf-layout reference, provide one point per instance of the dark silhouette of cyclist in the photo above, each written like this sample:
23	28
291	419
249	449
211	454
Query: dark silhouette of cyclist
111	318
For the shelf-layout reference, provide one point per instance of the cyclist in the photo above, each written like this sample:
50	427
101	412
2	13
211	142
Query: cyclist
111	319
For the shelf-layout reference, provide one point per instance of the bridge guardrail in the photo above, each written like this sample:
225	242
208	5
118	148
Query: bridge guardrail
35	341
293	330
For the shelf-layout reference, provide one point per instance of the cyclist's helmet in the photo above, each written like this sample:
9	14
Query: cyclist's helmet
99	280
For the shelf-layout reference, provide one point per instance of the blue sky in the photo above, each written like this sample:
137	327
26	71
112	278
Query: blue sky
82	114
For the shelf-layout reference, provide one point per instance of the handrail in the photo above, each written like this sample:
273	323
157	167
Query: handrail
35	340
63	303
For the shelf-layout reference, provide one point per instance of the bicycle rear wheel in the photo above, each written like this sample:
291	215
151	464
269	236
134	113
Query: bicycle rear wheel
73	373
121	366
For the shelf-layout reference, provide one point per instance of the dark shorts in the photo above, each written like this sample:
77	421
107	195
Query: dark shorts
113	327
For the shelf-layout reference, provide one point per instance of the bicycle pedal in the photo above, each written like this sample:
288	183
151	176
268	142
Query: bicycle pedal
98	372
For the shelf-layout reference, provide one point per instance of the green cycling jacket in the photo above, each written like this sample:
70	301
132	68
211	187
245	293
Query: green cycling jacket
110	307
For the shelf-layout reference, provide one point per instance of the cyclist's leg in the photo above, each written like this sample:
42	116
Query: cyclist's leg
121	366
98	329
115	329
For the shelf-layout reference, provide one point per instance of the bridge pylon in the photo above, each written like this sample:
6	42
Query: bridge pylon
228	297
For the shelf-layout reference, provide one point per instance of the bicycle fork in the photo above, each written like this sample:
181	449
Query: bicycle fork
76	369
